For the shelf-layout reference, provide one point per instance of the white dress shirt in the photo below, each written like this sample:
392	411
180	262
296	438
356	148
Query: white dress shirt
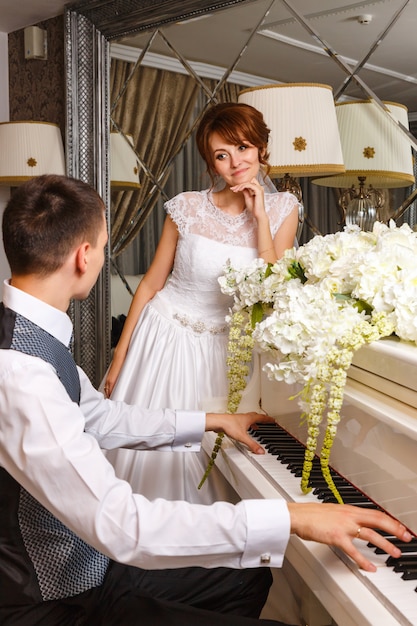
52	447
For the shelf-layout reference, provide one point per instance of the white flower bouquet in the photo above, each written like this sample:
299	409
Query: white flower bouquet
314	308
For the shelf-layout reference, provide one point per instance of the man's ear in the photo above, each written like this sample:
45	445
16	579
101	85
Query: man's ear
81	257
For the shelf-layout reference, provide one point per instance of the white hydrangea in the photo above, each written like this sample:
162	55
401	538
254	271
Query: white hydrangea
319	304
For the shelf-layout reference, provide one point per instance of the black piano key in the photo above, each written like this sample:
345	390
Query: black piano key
407	573
278	439
405	567
404	559
321	483
366	504
297	470
284	455
402	545
350	498
321	490
316	475
405	546
288	452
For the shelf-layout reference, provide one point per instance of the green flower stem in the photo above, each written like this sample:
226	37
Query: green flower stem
214	453
339	364
324	463
240	347
317	400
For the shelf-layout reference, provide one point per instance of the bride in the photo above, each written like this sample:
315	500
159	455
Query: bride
173	347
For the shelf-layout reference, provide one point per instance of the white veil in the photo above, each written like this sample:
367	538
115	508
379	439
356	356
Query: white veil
264	180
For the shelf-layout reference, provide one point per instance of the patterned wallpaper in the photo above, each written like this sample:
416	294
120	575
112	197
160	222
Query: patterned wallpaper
37	88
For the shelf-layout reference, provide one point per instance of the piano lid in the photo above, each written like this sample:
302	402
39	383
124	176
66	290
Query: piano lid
390	366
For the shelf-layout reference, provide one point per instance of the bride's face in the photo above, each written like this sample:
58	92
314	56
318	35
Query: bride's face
235	163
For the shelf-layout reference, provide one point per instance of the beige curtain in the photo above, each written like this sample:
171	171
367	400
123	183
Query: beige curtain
155	109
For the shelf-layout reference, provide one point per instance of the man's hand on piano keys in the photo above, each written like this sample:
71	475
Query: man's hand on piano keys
339	524
236	426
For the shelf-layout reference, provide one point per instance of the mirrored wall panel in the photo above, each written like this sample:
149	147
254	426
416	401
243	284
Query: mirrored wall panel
147	72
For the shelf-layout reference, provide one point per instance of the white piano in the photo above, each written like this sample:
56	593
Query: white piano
376	450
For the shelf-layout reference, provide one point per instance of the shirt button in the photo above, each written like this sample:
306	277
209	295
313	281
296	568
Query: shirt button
188	445
265	559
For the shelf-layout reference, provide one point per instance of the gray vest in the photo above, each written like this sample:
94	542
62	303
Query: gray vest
49	561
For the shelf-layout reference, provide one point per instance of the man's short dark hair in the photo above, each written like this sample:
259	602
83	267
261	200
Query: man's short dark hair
45	219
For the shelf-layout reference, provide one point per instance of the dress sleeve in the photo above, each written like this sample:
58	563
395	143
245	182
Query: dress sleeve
183	210
280	204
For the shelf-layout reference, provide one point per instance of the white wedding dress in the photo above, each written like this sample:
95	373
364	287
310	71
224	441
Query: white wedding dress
177	353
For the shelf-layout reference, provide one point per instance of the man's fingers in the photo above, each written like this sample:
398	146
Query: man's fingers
253	445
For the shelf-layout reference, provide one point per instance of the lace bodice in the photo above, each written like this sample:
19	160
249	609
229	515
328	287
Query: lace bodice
208	238
194	212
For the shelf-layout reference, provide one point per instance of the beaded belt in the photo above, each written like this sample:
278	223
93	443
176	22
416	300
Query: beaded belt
198	326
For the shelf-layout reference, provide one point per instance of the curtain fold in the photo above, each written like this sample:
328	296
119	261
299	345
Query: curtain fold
155	109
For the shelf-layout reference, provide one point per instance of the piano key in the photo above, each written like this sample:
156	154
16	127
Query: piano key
393	561
404	547
349	498
406	566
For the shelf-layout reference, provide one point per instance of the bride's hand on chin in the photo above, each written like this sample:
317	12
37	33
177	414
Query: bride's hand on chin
253	193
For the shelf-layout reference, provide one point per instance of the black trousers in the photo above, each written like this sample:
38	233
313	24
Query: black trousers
180	597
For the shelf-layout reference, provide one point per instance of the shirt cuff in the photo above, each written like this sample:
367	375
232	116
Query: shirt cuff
268	532
189	431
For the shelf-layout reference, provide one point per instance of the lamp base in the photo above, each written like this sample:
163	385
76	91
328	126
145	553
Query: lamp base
361	206
288	183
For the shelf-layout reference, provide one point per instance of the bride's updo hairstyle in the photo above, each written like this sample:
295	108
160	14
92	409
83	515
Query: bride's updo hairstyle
236	123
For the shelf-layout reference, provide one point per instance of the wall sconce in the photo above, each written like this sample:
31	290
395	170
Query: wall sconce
29	149
377	155
36	43
304	138
124	169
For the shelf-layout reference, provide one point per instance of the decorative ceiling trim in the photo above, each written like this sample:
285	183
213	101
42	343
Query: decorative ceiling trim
204	70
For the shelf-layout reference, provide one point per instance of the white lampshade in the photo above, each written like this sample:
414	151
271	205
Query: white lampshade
304	138
29	149
373	146
124	171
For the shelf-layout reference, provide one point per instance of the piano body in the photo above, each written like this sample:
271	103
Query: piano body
376	450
